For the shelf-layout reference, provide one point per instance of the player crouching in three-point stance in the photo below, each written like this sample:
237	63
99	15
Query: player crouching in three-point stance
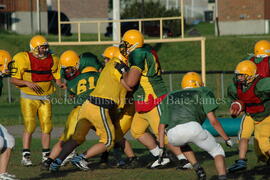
183	113
250	94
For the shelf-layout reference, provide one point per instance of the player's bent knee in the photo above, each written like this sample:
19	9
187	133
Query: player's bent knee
135	134
217	150
47	129
78	138
30	128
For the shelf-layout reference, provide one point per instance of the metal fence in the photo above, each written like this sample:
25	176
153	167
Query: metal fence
218	81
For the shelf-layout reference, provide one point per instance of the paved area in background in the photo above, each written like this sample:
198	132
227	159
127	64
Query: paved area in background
57	131
17	131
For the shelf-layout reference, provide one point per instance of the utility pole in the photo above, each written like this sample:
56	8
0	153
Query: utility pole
116	16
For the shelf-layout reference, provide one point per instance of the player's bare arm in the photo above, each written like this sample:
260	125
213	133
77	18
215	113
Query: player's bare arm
132	77
161	135
126	86
22	83
216	124
60	84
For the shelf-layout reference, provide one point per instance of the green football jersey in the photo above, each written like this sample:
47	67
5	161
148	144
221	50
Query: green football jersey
187	105
151	81
89	59
262	90
82	85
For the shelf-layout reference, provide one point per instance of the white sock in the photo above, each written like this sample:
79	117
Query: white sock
155	151
181	156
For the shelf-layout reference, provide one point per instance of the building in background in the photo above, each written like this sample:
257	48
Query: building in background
21	16
243	17
40	16
80	10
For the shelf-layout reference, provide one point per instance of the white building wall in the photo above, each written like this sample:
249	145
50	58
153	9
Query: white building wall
25	23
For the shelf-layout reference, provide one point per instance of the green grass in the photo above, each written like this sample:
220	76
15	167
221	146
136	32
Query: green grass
222	53
255	170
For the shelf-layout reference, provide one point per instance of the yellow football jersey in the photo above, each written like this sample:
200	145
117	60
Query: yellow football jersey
22	65
109	85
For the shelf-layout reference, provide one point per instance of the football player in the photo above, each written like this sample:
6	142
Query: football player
250	94
122	119
81	76
108	94
7	141
149	91
183	113
35	71
261	59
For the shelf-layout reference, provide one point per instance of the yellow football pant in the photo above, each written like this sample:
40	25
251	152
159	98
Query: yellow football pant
262	136
92	115
122	121
70	124
142	121
42	108
246	128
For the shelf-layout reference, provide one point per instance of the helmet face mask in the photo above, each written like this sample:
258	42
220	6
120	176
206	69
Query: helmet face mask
246	72
245	79
131	40
70	72
42	51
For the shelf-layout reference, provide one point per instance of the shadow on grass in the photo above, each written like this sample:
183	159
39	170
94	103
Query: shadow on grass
60	174
252	174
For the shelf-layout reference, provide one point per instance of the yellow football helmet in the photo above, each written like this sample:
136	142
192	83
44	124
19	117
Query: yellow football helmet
108	52
261	48
191	80
5	59
246	71
131	40
69	58
39	41
89	69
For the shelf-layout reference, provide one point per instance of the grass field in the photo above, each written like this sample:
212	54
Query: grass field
254	172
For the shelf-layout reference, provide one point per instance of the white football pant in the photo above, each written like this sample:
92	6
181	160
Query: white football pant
192	132
6	140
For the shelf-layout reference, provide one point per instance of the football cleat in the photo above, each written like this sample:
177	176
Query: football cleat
201	173
240	164
55	165
45	156
184	164
80	162
46	164
68	158
159	165
131	163
7	176
26	161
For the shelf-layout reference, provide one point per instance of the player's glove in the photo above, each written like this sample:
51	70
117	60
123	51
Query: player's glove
229	142
236	108
121	67
161	155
